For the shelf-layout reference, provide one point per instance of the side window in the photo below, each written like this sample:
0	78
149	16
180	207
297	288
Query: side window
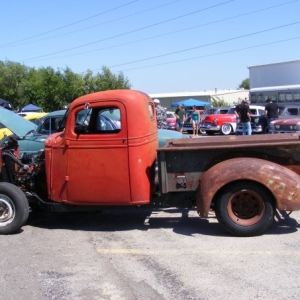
151	110
54	126
98	120
50	125
45	127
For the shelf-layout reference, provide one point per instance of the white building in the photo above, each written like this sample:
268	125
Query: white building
278	81
231	97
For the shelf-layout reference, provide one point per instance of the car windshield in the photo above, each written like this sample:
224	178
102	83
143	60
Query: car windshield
62	125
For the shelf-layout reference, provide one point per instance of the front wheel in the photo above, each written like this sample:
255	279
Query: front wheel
14	208
226	129
245	209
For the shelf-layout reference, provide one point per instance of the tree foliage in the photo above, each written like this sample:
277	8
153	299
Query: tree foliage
245	84
218	102
53	89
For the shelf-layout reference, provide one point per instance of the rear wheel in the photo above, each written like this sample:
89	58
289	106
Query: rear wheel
226	129
245	209
14	208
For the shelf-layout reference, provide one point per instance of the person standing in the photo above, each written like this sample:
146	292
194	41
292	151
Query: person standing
271	112
237	114
180	117
245	118
161	115
195	120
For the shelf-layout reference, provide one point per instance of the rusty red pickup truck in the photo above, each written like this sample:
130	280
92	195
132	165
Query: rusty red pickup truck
94	162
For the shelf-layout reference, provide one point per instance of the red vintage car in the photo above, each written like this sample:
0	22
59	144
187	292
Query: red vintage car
285	126
222	120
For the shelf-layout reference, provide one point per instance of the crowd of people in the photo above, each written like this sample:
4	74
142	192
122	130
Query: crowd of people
180	115
242	111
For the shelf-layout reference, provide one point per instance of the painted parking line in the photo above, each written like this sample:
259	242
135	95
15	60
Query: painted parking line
197	251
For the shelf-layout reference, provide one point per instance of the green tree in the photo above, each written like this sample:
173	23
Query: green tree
218	102
245	84
53	89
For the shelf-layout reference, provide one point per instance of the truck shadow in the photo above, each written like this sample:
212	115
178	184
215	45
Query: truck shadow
184	222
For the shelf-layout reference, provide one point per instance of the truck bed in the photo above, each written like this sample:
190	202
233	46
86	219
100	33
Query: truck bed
182	162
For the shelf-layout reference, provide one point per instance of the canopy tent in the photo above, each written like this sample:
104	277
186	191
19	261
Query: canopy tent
5	104
191	102
31	107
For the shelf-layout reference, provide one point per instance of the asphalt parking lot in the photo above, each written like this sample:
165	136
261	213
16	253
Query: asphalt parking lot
143	253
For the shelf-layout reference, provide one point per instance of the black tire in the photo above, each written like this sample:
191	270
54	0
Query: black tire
226	129
14	208
245	208
201	131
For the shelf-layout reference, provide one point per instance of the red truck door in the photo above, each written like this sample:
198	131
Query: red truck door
97	156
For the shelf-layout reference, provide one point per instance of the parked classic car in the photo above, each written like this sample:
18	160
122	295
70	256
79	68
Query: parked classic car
12	122
4	131
290	125
171	120
259	122
218	120
34	117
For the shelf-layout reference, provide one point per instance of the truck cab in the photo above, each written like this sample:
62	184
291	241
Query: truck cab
99	159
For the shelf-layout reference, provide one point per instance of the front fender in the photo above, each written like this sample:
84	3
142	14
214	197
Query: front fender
282	182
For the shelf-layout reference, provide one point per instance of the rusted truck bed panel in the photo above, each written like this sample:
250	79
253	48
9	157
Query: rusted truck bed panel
182	162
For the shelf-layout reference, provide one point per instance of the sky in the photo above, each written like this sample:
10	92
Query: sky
161	46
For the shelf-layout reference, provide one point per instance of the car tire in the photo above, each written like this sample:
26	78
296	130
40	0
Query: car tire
245	208
226	129
14	208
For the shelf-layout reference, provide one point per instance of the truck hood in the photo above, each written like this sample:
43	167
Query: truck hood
164	135
15	123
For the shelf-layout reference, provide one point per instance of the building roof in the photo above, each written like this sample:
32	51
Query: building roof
193	94
277	63
276	88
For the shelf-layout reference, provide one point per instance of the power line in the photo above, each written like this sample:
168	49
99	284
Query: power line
180	30
206	45
103	23
71	24
135	30
209	55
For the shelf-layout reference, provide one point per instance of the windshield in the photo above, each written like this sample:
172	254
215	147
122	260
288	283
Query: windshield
62	125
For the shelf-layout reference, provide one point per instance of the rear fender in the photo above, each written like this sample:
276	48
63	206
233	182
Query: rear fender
283	183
